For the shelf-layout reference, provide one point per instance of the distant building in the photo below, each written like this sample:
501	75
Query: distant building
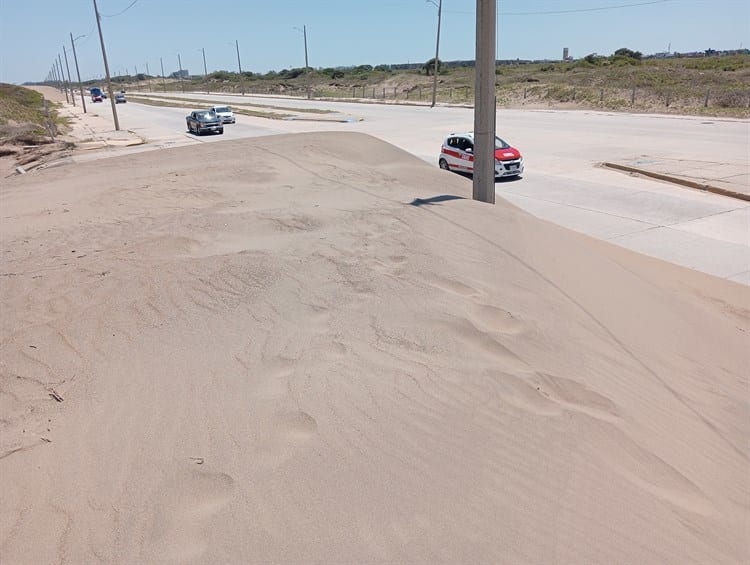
566	55
180	74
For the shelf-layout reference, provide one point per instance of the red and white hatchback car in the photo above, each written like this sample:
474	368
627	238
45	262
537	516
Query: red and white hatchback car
457	154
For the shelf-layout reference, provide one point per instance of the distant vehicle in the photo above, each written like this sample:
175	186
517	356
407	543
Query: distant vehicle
120	98
200	121
457	154
225	114
96	94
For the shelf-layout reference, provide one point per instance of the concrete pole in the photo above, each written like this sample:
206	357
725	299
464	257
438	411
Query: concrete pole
484	103
163	80
62	77
205	70
106	68
307	66
239	66
437	51
148	74
70	82
78	73
179	62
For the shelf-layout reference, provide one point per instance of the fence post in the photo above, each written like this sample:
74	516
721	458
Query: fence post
394	93
524	93
574	95
373	92
669	95
601	96
705	102
632	96
420	93
384	93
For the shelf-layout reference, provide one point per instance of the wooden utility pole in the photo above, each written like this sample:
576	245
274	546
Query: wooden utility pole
106	68
484	104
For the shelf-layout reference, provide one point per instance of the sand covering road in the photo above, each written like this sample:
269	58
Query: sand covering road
313	348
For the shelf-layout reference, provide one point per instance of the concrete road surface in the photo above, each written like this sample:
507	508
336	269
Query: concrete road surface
563	182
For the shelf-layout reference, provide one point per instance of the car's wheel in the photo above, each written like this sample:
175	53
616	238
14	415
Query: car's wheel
444	165
221	131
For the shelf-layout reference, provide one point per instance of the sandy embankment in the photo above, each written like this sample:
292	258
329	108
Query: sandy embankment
285	358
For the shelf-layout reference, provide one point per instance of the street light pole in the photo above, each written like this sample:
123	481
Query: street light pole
484	103
437	51
106	68
78	72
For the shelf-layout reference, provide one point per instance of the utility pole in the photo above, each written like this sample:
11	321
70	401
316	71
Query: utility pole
437	51
179	62
163	80
205	70
484	103
148	74
239	66
62	76
106	68
307	66
70	82
78	73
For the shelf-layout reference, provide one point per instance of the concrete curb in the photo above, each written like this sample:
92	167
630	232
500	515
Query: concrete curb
681	181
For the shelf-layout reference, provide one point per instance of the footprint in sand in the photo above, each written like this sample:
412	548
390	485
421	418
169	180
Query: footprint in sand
494	319
547	395
451	285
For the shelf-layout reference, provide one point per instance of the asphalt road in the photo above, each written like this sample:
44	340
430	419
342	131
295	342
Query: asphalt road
562	183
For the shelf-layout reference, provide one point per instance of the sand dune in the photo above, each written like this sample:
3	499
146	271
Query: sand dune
317	349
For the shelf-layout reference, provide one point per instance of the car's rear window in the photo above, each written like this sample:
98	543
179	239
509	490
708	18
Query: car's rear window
223	109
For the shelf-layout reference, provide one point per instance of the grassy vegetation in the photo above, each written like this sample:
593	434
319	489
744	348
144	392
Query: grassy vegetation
181	103
619	82
22	116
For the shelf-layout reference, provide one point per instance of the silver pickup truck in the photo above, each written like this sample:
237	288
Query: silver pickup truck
200	121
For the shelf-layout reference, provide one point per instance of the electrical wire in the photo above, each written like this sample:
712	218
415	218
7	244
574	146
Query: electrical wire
133	3
577	10
571	11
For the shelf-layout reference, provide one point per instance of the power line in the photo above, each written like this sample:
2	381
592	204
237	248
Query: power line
133	3
571	11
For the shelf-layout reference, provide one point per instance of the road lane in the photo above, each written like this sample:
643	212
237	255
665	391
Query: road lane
562	183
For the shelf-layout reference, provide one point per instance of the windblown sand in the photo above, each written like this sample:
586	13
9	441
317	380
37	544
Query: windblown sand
317	349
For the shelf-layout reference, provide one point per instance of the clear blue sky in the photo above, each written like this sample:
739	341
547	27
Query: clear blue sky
346	32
